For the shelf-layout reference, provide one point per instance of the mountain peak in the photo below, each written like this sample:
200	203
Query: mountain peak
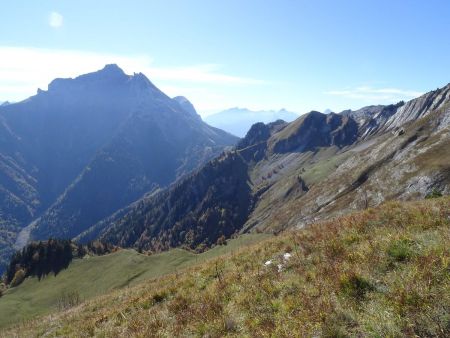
186	105
110	71
181	99
112	68
107	73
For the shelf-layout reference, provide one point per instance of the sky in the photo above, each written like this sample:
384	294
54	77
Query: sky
260	54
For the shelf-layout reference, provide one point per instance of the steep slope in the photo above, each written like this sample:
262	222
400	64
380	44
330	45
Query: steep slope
159	142
384	167
376	119
59	130
194	212
290	175
91	145
378	273
238	121
46	141
407	161
93	276
218	199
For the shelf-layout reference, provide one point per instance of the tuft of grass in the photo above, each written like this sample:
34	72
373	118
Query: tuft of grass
68	299
401	250
159	297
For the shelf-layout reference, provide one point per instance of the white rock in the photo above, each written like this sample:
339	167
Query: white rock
287	256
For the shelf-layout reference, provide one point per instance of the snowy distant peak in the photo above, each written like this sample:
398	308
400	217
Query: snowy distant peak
239	110
239	120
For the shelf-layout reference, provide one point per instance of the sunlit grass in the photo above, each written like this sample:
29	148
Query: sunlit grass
383	272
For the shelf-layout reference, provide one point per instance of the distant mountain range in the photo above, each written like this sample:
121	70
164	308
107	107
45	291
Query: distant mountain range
88	146
284	175
238	121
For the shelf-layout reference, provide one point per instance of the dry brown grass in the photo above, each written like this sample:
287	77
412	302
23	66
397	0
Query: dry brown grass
382	272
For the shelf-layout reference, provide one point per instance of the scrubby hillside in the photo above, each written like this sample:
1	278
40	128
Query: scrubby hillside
382	272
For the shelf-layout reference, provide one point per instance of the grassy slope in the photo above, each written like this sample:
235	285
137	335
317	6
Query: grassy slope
94	276
312	167
381	272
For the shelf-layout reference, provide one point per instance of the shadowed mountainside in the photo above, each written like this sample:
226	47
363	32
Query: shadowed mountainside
88	146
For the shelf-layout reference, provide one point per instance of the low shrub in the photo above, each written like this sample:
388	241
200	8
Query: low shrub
355	286
434	194
401	250
18	278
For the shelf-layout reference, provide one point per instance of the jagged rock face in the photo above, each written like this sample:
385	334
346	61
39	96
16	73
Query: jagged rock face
377	122
364	114
316	130
379	119
445	118
420	107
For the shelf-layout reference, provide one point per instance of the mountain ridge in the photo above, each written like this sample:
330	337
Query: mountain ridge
336	169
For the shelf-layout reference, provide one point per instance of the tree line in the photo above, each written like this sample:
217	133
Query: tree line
41	258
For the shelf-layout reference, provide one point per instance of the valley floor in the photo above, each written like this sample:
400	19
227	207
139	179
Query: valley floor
381	272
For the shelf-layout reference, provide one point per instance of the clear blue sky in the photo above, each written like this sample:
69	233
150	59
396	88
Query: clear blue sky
300	55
